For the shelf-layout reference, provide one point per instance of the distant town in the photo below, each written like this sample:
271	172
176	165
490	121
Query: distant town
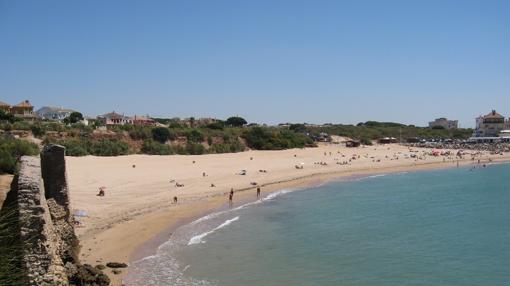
492	127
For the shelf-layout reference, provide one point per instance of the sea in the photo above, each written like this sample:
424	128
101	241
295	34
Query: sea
441	227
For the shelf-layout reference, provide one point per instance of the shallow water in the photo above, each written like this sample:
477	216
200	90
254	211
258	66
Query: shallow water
447	227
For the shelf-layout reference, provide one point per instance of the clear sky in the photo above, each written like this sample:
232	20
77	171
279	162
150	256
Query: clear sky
269	61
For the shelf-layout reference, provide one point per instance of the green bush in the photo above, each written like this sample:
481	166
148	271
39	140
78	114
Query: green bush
366	141
21	125
106	147
155	148
37	130
218	125
195	136
10	152
275	139
76	147
195	149
103	147
160	134
140	133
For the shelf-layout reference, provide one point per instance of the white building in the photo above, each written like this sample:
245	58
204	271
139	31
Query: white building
445	123
490	125
54	113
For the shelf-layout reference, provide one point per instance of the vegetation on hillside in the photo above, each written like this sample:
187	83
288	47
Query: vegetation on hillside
372	130
10	152
191	136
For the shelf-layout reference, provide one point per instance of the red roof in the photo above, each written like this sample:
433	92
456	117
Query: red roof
493	114
24	103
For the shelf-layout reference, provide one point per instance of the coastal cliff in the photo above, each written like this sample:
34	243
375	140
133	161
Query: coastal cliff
44	226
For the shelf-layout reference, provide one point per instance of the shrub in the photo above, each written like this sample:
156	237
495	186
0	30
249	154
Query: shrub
155	148
106	147
195	136
218	125
195	149
21	125
10	152
266	139
37	130
366	141
76	147
7	162
8	117
160	134
140	133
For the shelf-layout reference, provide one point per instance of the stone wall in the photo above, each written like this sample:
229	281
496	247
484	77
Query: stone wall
48	241
39	238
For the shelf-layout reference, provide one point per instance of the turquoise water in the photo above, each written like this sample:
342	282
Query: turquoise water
446	227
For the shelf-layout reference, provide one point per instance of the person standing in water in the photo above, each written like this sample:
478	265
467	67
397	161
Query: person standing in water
258	192
231	197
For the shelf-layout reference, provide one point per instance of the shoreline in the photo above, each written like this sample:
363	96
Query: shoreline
149	247
143	233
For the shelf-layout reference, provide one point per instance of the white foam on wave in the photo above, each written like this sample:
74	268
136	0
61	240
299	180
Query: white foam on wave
267	198
200	238
377	176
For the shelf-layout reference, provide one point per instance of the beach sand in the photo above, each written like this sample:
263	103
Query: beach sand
5	186
137	213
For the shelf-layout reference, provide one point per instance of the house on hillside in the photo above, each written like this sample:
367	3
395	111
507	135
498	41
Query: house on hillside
24	110
54	113
114	118
143	121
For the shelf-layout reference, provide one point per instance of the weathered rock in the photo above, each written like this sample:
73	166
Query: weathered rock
117	271
116	265
89	276
100	266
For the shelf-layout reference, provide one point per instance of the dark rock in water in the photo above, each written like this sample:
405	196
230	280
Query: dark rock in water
87	275
116	271
116	265
100	266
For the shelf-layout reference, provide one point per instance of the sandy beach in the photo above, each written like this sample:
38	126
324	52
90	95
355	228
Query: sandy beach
137	212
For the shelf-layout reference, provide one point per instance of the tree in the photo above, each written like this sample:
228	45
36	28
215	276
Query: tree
74	117
236	121
4	116
160	134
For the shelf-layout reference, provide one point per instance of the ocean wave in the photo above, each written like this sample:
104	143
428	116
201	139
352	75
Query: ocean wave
200	238
269	197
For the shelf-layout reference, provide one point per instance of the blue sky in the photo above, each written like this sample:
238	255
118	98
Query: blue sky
269	61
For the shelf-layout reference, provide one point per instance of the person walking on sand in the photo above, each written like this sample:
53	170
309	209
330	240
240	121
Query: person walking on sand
175	200
258	192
